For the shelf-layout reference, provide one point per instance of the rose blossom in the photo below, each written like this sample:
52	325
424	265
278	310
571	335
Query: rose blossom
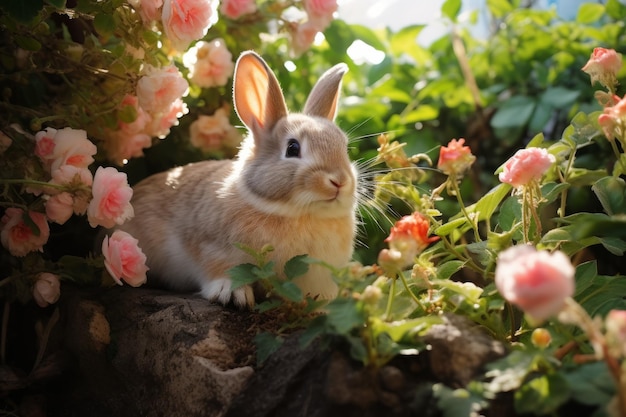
303	36
234	9
47	289
538	282
124	259
110	204
613	119
162	122
185	21
210	63
603	66
212	133
455	158
17	237
64	147
78	182
148	9
60	207
525	166
320	11
616	332
159	88
407	239
130	138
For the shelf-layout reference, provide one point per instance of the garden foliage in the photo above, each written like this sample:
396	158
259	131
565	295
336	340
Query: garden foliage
518	97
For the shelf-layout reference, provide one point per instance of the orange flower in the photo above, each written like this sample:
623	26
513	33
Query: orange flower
455	158
408	238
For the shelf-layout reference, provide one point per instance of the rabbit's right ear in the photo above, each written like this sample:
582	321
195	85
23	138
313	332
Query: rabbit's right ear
258	99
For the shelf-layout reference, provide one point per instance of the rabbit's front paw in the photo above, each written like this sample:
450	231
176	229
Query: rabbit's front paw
219	290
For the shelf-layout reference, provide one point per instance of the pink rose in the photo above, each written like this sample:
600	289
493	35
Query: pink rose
303	36
44	143
185	21
162	122
455	159
234	9
525	166
110	204
210	63
613	119
615	324
320	11
212	133
17	237
148	9
47	289
78	183
60	207
538	282
64	147
603	66
124	259
141	117
159	88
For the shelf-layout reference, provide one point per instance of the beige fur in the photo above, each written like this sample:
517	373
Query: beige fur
188	219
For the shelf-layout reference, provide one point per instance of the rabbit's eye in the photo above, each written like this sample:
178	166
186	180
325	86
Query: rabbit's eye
293	149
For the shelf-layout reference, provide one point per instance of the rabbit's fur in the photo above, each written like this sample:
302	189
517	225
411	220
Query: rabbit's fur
188	219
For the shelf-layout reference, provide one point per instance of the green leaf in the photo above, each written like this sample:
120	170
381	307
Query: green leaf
542	395
457	402
296	267
104	24
27	43
559	97
591	383
611	192
343	315
513	113
449	227
451	8
28	221
288	290
266	344
404	42
447	269
589	13
616	10
499	8
487	205
241	275
268	305
585	274
22	11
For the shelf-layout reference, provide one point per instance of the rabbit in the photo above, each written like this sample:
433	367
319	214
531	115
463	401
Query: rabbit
291	185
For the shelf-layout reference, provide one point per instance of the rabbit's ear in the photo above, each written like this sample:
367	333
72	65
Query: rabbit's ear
323	99
258	99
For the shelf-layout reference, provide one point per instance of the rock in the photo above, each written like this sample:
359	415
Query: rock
459	349
152	353
144	352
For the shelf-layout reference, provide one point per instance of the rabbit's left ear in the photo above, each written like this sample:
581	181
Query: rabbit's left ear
323	99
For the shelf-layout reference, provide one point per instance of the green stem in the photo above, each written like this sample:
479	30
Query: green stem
457	191
406	285
617	154
25	181
525	219
392	292
533	209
